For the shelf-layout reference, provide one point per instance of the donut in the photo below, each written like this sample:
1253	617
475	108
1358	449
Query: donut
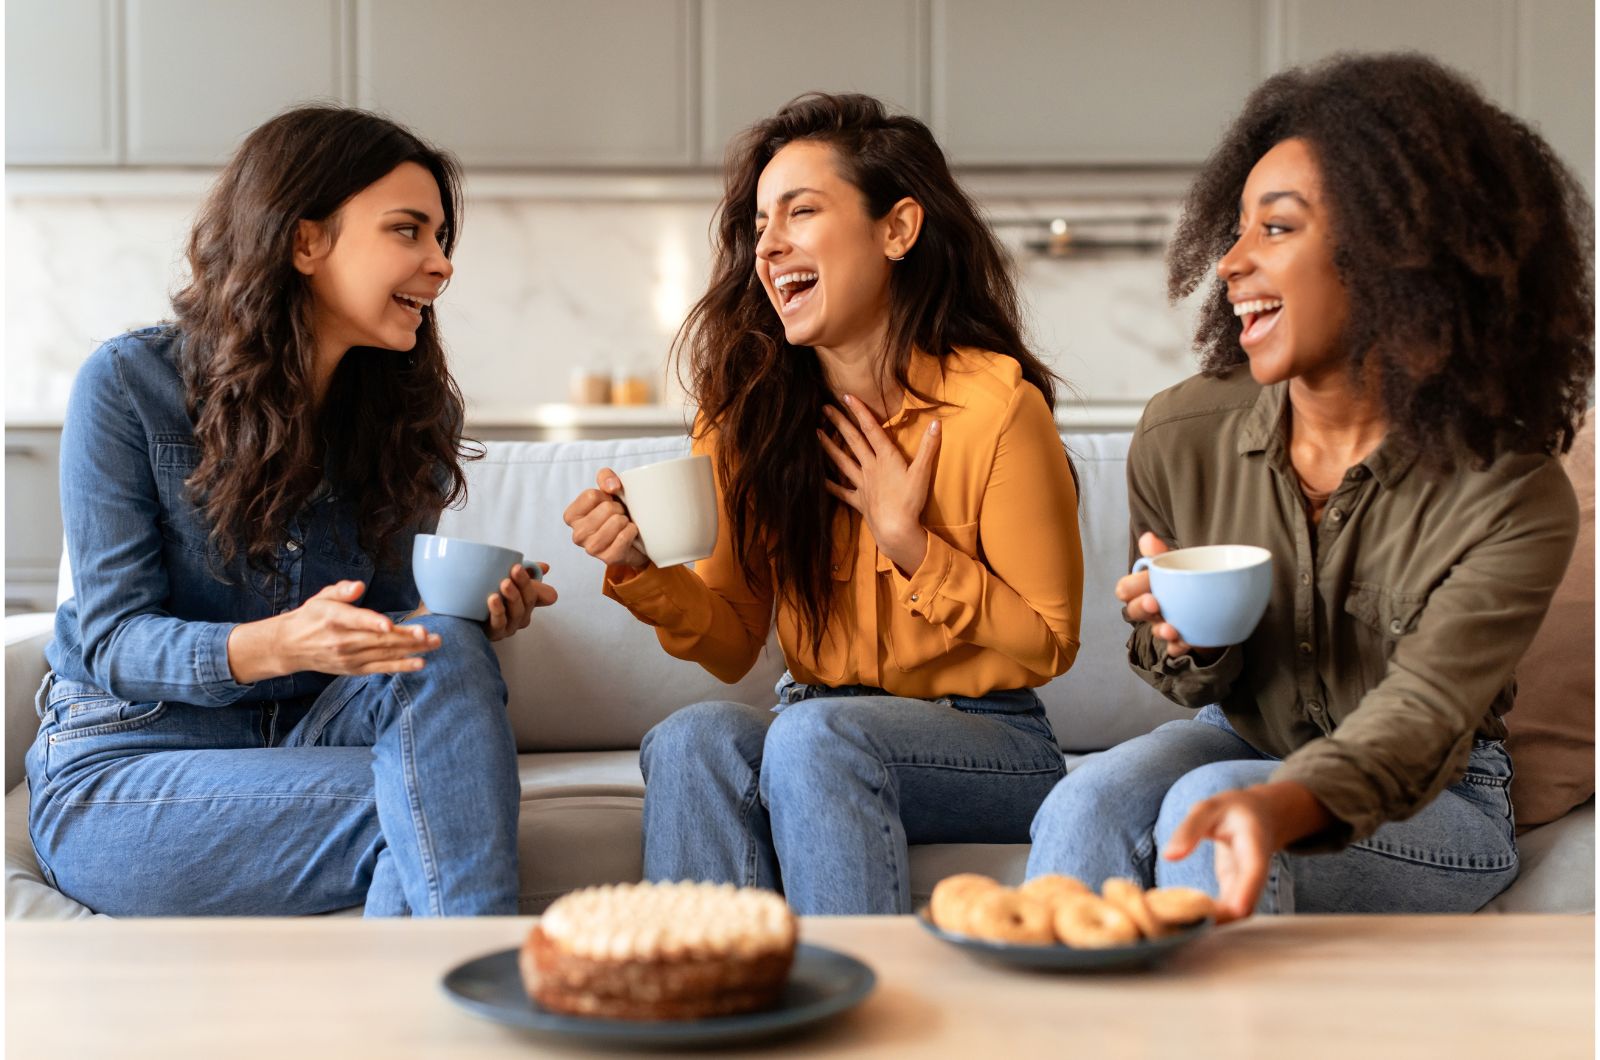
1086	922
952	899
1179	906
1129	897
1005	915
1052	889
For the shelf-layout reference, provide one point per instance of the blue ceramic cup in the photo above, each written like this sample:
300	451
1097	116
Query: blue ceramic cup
457	577
1213	595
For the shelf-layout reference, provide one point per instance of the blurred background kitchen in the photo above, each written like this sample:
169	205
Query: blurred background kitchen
592	131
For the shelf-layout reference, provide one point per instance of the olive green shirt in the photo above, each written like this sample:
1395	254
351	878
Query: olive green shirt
1395	622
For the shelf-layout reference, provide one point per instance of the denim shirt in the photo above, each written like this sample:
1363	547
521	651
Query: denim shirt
150	617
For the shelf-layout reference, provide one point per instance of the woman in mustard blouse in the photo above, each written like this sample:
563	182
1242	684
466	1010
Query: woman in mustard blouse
893	494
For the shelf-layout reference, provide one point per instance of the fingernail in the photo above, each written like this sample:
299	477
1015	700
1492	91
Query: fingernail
612	483
848	400
933	428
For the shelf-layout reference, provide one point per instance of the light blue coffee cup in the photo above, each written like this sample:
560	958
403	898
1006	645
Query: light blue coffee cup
1213	595
456	577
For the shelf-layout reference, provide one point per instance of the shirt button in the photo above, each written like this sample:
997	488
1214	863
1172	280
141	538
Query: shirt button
1305	579
1335	514
1305	647
836	568
1315	707
293	545
915	597
1396	628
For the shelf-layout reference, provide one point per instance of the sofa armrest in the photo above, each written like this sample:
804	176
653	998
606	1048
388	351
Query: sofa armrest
26	637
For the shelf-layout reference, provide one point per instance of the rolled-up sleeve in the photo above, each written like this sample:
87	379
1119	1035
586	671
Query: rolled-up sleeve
111	508
1183	679
1410	736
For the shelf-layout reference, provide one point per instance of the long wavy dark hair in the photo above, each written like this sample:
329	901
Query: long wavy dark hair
1464	245
388	433
763	398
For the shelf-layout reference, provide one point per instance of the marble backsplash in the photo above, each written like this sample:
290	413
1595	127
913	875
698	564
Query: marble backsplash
545	285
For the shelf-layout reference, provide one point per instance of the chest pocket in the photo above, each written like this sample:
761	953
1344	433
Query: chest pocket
181	522
914	641
1381	618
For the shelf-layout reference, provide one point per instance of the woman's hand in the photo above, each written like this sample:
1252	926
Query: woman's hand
1140	606
328	634
888	492
1247	827
601	527
511	608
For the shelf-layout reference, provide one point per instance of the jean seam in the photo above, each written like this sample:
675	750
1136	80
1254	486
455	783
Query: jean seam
68	802
419	820
752	855
1436	859
891	862
111	728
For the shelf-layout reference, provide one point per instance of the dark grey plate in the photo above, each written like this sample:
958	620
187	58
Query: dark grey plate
822	984
1065	958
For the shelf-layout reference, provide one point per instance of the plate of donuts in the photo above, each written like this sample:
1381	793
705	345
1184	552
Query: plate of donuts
1057	922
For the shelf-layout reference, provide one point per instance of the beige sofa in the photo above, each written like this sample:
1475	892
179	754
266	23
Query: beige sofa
587	681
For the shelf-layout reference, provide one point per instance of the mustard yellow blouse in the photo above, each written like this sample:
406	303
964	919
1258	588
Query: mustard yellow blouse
997	600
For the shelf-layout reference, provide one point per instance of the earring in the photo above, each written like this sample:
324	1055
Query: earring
893	258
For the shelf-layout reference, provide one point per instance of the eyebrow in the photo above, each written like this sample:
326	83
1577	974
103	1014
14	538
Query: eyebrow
416	215
788	197
1270	197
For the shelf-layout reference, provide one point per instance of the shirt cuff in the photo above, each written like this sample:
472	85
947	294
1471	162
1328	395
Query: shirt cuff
918	592
212	672
648	594
1325	771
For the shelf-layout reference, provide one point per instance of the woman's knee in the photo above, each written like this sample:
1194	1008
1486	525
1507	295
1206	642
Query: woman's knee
1202	783
464	652
816	737
690	732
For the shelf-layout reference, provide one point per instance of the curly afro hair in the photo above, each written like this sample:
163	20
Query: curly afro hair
1464	245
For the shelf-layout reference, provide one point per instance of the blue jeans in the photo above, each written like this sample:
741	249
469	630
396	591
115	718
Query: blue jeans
1112	816
396	790
820	797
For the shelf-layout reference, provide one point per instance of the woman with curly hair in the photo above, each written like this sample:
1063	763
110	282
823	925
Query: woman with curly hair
247	712
1396	345
893	494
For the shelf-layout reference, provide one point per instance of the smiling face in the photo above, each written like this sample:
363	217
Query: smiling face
372	282
1291	303
823	261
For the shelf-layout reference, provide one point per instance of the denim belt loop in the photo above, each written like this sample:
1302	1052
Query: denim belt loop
42	697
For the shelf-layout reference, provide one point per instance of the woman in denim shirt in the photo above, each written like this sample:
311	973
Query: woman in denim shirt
247	711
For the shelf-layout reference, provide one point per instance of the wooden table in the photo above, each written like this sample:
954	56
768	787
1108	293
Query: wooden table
1361	987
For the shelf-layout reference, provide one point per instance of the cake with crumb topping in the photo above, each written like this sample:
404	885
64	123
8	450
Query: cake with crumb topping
660	951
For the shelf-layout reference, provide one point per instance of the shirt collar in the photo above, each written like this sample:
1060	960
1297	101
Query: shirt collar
925	373
1264	430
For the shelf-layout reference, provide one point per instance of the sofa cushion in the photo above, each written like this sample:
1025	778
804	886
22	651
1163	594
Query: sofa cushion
1551	728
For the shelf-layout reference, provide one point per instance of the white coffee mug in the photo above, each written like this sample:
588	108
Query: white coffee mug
674	504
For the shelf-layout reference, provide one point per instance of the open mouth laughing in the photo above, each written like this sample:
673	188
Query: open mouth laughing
794	289
1258	315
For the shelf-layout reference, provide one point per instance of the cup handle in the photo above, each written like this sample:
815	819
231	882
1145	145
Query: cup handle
1142	563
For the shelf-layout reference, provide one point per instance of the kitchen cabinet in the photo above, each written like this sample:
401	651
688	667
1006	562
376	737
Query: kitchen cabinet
33	518
534	82
1036	82
202	74
757	55
1555	71
62	82
1474	36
